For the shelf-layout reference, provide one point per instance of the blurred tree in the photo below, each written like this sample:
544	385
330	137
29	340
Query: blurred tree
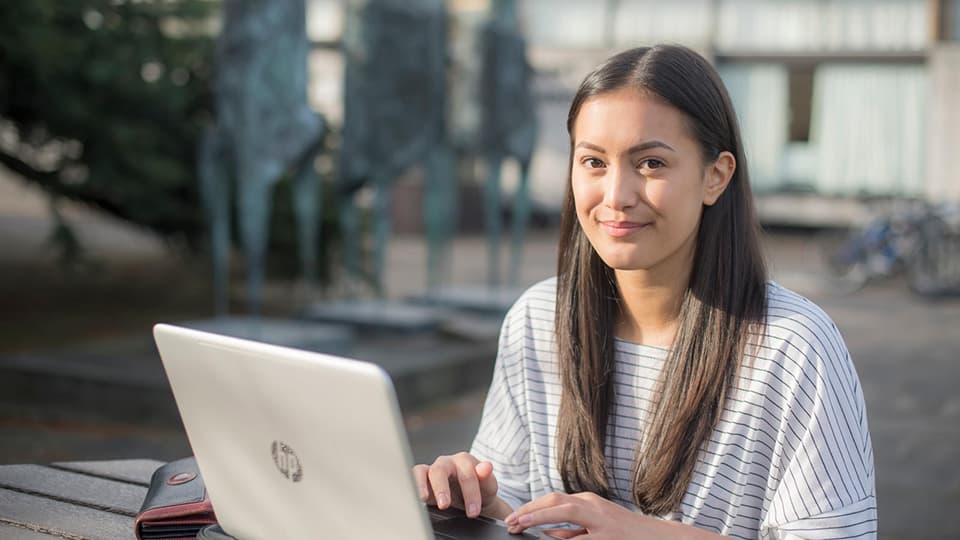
102	101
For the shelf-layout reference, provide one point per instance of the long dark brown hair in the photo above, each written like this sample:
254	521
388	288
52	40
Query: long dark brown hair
724	300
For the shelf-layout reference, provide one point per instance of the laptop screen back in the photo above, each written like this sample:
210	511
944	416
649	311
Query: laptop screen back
293	444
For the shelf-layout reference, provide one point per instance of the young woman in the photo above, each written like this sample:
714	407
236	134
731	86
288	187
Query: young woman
660	386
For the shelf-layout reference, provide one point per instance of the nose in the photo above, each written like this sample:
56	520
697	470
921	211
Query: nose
620	188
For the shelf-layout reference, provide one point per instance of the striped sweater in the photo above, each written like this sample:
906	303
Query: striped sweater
790	457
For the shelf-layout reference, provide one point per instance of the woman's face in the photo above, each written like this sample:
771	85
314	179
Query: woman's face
640	181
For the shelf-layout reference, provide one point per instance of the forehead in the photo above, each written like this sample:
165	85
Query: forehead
628	116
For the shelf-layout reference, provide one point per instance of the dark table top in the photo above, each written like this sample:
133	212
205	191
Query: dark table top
86	500
99	500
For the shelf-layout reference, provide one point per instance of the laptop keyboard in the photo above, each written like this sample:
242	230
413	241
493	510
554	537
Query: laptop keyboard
452	523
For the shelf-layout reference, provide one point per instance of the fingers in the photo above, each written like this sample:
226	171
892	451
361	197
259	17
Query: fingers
469	484
439	477
459	480
563	513
553	508
423	483
565	533
464	490
488	482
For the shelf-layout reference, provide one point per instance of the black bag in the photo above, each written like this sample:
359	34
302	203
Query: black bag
213	532
176	505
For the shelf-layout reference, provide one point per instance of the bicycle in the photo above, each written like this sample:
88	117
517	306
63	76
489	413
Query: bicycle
915	238
935	268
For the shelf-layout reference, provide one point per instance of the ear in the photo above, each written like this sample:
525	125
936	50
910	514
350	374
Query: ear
717	177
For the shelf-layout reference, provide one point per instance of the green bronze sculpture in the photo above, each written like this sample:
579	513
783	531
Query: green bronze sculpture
264	131
394	118
508	128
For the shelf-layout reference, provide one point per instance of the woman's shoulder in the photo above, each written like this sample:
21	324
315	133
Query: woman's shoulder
544	290
530	320
788	309
541	297
799	330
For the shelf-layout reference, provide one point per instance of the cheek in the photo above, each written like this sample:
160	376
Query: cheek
583	197
659	193
675	196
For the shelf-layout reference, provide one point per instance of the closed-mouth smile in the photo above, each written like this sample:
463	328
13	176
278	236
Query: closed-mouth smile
623	228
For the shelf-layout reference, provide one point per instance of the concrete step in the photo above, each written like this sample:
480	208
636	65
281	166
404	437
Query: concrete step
123	381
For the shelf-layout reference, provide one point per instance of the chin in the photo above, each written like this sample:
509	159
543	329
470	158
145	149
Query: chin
625	262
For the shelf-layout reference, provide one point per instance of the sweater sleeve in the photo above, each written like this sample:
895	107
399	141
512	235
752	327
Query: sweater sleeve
503	437
825	484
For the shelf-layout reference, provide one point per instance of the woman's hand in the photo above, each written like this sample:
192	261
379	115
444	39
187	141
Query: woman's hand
463	481
597	518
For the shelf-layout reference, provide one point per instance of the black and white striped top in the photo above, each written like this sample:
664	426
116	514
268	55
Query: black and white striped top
791	456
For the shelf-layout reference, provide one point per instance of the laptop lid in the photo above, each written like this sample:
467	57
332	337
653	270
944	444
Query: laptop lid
293	444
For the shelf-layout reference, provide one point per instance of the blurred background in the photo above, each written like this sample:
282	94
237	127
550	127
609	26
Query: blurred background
334	175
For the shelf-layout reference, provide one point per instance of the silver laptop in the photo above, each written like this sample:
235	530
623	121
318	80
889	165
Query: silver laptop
296	444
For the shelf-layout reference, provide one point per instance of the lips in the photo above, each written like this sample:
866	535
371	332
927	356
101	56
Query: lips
623	228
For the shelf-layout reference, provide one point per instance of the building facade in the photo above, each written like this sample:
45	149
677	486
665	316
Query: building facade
838	99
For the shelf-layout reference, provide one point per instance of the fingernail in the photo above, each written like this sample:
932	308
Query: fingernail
511	519
424	494
472	510
442	501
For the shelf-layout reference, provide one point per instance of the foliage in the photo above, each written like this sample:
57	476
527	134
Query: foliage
102	101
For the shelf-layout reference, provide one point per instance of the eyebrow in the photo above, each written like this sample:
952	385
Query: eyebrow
633	149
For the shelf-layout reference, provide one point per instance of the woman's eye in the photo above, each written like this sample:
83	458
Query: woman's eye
593	163
651	164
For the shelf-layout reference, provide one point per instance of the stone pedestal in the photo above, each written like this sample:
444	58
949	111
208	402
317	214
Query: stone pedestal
494	301
296	334
377	315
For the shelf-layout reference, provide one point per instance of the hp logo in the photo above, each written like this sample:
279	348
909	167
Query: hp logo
287	461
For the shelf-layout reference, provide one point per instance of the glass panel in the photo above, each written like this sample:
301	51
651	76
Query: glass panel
818	26
565	23
646	22
868	126
759	94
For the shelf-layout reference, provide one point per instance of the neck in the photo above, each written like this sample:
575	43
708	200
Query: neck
650	305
